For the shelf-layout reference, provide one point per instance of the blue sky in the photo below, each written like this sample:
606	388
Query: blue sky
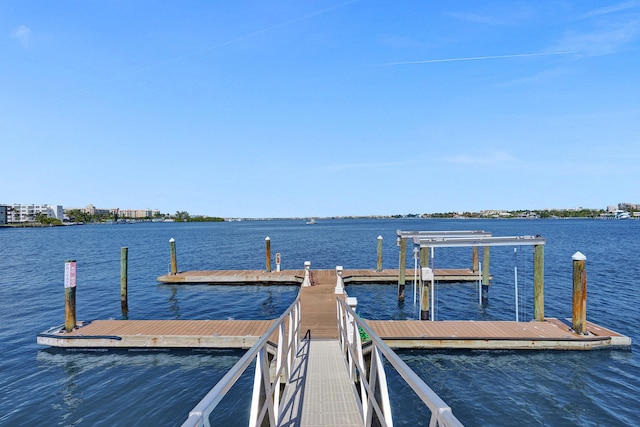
320	108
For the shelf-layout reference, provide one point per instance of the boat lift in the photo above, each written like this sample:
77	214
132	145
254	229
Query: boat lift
424	240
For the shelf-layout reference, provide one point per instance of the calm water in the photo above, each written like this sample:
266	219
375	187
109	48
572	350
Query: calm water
42	386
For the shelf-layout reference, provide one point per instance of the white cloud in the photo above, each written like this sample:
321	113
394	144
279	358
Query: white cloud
22	34
601	41
497	158
611	9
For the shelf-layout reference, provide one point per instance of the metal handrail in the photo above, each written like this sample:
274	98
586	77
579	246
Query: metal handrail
266	394
349	326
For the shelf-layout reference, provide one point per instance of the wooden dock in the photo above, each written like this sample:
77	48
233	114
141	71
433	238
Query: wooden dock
158	334
295	277
552	334
319	317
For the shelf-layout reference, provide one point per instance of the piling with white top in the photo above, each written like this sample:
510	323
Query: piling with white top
267	242
70	295
174	261
579	309
379	266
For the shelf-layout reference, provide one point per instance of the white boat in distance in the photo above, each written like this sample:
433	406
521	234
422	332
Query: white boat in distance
311	221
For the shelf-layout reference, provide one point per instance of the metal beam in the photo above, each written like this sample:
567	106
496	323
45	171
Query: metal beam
439	234
479	241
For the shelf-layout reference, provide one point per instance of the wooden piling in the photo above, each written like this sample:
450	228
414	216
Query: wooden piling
402	268
379	266
424	257
579	309
69	295
426	278
267	242
538	282
424	301
124	280
174	261
486	281
425	286
475	265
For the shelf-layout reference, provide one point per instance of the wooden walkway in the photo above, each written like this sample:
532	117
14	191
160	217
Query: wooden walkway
319	317
552	334
159	334
295	277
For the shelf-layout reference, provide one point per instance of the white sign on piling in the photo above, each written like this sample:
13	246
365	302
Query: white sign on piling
70	274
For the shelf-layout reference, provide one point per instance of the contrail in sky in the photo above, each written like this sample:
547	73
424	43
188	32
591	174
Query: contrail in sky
226	43
471	58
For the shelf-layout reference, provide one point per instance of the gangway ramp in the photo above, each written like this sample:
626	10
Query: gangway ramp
320	393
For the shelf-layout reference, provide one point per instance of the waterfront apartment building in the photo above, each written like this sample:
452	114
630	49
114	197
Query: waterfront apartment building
18	213
3	215
119	213
138	213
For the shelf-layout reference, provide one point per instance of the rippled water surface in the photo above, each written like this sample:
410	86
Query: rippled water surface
42	386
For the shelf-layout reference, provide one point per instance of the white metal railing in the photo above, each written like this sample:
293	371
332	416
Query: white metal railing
374	394
266	394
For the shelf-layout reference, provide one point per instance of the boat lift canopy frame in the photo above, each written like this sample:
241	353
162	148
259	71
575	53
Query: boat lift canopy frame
476	239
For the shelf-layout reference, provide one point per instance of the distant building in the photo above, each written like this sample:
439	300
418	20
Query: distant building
27	213
629	207
3	215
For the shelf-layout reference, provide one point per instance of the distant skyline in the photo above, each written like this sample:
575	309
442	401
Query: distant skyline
320	108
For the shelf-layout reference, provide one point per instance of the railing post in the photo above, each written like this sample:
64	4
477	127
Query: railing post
255	396
339	289
307	280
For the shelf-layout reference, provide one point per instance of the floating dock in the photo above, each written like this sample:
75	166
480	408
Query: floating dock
296	277
318	307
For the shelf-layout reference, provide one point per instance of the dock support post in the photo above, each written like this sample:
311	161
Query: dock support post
339	289
485	274
579	312
424	257
69	295
174	261
379	266
402	268
538	282
474	260
267	242
307	279
426	277
124	280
